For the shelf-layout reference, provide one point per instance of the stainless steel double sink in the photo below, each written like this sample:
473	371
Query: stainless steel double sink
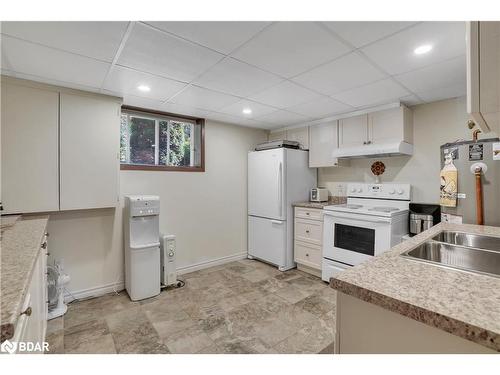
459	250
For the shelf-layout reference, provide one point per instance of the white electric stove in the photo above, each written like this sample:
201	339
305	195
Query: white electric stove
374	219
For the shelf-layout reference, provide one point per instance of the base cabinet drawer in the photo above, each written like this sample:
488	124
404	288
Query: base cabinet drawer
309	213
309	231
308	254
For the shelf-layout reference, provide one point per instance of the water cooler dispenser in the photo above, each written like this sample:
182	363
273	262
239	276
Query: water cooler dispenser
142	246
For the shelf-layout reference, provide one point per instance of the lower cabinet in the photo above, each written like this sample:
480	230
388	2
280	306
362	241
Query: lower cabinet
308	239
31	325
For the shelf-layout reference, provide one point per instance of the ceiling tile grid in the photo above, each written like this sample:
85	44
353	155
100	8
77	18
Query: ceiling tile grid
284	72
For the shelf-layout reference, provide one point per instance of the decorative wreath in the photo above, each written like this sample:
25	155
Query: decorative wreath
378	168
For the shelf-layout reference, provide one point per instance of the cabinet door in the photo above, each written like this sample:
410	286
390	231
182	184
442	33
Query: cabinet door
89	143
300	135
29	149
353	131
323	140
391	125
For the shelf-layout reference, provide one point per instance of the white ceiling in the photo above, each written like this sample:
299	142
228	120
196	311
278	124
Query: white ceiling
287	73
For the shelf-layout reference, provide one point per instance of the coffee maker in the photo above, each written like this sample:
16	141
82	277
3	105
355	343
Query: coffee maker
423	216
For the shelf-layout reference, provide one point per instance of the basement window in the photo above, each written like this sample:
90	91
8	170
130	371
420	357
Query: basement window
153	140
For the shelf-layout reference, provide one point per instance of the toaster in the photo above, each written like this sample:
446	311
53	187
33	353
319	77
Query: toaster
318	195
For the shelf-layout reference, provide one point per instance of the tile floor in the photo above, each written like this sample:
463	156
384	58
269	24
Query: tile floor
240	307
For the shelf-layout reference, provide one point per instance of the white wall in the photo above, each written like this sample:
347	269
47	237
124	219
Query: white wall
206	211
433	125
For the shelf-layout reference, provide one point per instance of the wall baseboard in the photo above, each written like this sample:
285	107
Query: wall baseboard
93	292
120	285
211	263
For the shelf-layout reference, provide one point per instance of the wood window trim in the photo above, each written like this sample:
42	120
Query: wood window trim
145	167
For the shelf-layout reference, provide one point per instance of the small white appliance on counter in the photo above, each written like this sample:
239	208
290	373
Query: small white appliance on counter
374	219
167	255
318	195
276	178
142	246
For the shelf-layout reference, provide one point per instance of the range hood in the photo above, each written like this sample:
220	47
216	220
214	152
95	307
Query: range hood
374	150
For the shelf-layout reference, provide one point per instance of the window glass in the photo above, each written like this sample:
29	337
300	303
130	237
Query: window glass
160	141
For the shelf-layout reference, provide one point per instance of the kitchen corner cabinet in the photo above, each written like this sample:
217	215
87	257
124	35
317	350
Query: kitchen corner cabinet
483	74
89	149
60	148
31	325
308	239
323	140
30	175
386	126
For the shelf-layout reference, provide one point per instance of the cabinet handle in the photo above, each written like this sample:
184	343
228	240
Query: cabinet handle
307	231
307	213
27	312
307	254
369	142
48	254
46	234
44	245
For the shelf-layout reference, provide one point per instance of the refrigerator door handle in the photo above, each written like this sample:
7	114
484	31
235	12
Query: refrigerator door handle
280	188
276	222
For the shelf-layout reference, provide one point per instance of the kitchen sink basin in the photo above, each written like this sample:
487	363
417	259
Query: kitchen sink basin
458	257
468	239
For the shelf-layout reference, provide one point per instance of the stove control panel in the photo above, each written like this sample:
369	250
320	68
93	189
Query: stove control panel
381	191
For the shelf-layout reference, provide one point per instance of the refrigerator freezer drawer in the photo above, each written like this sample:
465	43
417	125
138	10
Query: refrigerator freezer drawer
267	240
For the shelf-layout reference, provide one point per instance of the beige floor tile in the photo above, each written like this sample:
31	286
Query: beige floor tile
272	303
295	316
255	276
316	305
55	325
239	345
270	285
102	345
191	340
292	294
77	335
56	342
167	328
273	331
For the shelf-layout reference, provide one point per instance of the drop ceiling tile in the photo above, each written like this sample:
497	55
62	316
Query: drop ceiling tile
199	97
125	81
411	100
156	52
434	77
185	110
141	102
342	74
220	36
320	108
290	48
99	40
34	59
283	118
442	93
235	120
285	94
237	78
384	91
361	33
257	109
395	54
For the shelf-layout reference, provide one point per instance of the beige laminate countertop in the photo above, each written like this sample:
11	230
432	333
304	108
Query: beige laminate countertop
461	303
20	248
321	205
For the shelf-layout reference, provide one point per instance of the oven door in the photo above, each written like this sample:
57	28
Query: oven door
353	238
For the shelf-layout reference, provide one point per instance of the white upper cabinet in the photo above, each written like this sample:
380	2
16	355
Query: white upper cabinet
89	147
323	140
483	74
353	131
300	135
29	149
391	125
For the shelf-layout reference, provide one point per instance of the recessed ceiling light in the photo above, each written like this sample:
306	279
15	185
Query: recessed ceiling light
247	111
143	88
420	50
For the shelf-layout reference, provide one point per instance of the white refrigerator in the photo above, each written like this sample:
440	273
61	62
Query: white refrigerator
276	179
